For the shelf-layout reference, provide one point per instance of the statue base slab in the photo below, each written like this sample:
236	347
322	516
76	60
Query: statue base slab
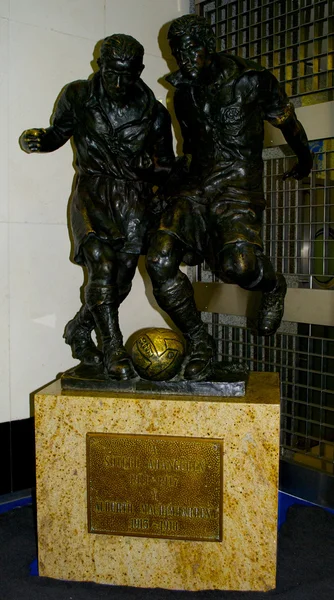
243	557
223	383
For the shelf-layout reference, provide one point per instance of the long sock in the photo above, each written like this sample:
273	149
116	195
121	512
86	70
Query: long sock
103	303
177	300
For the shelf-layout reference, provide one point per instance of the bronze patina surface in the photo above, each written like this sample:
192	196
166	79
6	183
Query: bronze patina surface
152	486
132	196
123	153
225	381
157	353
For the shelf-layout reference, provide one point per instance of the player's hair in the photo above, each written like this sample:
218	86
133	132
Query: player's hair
121	47
195	27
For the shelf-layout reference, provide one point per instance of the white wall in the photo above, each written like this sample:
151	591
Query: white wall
44	44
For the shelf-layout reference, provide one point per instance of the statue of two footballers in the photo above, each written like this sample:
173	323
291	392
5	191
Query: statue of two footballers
211	211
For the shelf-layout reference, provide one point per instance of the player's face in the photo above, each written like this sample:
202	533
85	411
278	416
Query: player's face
119	76
191	56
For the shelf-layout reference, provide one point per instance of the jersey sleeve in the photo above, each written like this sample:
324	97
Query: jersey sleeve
276	106
63	118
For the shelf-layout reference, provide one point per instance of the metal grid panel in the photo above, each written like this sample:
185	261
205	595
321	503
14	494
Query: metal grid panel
306	364
298	233
298	225
292	38
298	229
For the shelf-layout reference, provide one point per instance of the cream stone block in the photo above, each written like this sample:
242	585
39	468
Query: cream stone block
248	427
4	325
82	18
40	185
147	18
45	294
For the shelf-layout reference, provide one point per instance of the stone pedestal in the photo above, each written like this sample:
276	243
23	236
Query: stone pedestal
248	429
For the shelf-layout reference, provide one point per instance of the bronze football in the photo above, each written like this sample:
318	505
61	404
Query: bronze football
157	353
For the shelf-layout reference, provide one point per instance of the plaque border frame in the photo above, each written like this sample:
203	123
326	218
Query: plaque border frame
220	443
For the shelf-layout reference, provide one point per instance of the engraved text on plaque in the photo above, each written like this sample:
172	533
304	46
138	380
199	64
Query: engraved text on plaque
152	486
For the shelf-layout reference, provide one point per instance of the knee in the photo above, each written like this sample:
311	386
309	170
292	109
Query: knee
161	261
124	292
127	264
241	265
159	266
126	268
100	259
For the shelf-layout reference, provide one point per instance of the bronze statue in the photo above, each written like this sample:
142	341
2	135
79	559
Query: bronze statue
123	142
221	102
213	209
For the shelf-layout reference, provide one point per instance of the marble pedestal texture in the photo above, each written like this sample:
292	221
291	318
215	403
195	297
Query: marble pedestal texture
245	559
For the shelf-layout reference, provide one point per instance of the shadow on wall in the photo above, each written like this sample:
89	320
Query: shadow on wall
171	66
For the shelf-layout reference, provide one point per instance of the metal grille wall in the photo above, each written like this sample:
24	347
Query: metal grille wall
298	228
294	39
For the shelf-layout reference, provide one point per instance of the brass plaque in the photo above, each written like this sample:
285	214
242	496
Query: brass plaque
153	486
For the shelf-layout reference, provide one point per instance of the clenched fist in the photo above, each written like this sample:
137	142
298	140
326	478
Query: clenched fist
31	140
